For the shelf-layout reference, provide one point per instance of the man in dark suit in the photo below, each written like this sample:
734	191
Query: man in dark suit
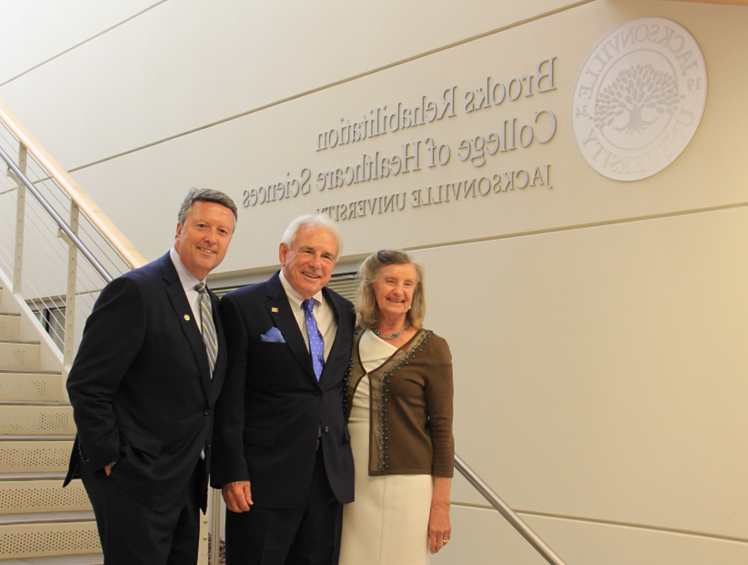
143	386
282	451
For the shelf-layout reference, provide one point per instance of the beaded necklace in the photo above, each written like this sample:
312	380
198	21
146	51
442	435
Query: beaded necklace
393	336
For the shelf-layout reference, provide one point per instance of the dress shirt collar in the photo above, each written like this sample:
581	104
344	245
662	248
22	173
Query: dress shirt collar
294	298
187	279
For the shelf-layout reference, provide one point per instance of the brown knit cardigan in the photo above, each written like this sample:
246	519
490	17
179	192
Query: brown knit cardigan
411	407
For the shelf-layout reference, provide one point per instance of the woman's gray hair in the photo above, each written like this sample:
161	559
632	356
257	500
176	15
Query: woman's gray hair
367	312
312	221
205	195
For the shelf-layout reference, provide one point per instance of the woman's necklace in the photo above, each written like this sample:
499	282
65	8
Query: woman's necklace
393	336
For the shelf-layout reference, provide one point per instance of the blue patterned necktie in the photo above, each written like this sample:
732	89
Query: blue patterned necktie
316	343
207	326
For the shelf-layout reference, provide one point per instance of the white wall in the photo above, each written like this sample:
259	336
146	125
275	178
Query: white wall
597	326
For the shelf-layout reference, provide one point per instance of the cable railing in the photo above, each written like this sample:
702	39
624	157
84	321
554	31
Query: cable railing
47	223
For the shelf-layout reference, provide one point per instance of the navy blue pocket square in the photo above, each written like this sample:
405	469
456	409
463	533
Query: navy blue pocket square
273	335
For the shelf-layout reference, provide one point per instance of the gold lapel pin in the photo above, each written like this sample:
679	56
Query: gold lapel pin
187	317
274	310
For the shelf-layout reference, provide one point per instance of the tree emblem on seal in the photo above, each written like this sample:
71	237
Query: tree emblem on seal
640	91
639	98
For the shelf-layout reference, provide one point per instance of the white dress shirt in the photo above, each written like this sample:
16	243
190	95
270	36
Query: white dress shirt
189	281
323	313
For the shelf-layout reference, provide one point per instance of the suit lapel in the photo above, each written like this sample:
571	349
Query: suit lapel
183	311
339	333
283	318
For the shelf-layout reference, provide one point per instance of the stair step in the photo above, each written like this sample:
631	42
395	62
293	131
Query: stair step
10	326
33	372
74	538
23	355
23	497
4	402
36	420
20	437
30	386
46	517
39	476
35	456
91	559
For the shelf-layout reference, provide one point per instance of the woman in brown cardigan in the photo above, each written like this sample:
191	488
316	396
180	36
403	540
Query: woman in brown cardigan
398	402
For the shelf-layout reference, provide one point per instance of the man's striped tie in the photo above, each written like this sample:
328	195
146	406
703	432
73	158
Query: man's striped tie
208	327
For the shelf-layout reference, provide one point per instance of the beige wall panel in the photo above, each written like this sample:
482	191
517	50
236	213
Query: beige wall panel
188	63
35	31
279	143
481	537
600	373
592	544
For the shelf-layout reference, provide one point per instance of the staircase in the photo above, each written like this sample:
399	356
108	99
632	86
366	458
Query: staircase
40	522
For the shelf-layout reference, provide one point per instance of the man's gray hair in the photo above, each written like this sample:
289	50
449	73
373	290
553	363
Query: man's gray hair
205	195
312	221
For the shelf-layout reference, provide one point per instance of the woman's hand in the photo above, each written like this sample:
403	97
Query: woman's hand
440	529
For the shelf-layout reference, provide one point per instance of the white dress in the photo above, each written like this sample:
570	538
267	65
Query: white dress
387	524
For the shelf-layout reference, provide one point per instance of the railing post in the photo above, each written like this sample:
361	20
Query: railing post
215	527
205	554
20	218
69	336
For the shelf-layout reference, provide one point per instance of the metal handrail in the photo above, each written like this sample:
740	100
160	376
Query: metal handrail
110	231
56	217
511	517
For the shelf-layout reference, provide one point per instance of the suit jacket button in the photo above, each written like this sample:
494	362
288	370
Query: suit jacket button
327	429
207	411
318	394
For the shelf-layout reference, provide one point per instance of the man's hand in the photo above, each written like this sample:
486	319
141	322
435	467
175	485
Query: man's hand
108	468
238	496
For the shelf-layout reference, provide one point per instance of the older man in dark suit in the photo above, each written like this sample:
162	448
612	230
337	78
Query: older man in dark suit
282	451
143	386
